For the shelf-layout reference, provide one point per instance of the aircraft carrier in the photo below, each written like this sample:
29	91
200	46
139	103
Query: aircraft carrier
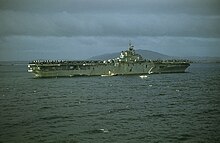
128	63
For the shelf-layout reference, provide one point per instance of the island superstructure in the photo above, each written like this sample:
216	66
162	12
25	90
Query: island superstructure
128	63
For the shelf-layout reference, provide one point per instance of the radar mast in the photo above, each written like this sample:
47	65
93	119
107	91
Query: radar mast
130	46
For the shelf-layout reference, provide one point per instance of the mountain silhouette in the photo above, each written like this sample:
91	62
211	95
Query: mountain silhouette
146	54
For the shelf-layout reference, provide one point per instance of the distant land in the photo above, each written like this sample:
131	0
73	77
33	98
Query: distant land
147	54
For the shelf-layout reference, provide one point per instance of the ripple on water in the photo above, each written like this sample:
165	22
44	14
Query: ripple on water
161	108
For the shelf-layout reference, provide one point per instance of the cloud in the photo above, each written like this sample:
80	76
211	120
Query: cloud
69	29
209	7
197	18
70	24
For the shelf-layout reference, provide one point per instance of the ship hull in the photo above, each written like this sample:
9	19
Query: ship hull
170	67
71	70
105	69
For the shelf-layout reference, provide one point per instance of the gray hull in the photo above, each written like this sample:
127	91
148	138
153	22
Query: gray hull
170	67
108	69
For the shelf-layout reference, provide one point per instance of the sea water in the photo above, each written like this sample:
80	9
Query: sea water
182	107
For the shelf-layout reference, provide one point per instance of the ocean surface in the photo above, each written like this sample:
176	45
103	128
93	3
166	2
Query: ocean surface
182	107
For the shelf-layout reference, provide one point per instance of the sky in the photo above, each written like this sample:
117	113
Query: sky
79	29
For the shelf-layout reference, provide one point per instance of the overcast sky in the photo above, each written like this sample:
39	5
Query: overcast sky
79	29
